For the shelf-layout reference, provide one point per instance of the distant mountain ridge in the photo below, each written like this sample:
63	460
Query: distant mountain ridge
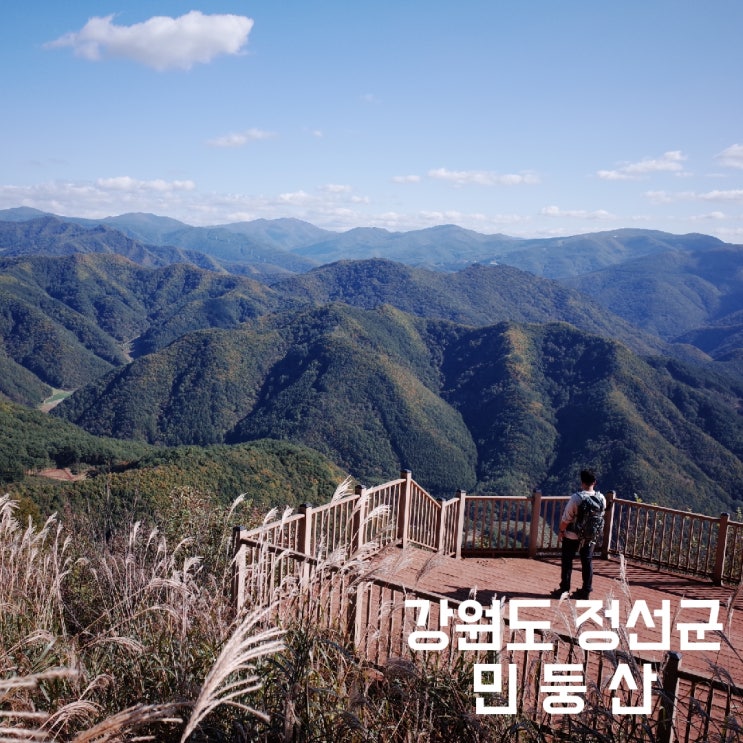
681	296
499	409
93	311
654	281
294	246
566	257
477	295
66	320
448	359
49	235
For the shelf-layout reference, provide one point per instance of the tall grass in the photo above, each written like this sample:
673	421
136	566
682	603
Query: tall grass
98	639
131	638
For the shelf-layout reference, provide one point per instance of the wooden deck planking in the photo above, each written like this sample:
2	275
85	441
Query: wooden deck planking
522	578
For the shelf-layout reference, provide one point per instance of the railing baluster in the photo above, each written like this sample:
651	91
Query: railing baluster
645	543
496	519
698	551
722	539
482	516
653	531
675	536
374	614
664	521
630	514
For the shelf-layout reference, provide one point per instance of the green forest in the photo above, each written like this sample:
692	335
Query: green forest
489	379
161	386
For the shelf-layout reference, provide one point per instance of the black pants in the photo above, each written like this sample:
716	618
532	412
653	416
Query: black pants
569	549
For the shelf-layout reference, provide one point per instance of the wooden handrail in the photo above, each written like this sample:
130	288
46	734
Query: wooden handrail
637	531
375	619
471	525
296	547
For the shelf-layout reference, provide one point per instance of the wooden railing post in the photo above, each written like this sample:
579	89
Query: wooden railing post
608	524
403	515
722	540
304	539
536	514
359	517
462	497
355	613
667	712
239	568
441	525
304	531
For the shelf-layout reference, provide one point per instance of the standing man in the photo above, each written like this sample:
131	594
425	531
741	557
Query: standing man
577	537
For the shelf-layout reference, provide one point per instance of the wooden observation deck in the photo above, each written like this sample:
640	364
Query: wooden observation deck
666	584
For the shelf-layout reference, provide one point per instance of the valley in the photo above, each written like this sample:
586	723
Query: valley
472	371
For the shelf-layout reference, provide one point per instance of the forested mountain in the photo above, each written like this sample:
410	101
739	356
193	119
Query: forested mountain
65	321
444	248
274	248
477	295
564	257
235	241
51	236
122	481
31	440
722	340
451	248
500	409
474	373
694	297
219	249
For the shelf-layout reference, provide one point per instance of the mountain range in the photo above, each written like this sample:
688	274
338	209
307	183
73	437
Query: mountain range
287	246
481	362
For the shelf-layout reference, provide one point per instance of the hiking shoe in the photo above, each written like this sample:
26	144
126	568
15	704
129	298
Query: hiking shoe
581	594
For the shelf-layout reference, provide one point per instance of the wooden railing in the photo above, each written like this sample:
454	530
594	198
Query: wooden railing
401	511
371	615
678	541
316	545
691	543
511	526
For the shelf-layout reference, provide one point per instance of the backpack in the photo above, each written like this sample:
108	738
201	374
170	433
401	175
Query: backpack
589	523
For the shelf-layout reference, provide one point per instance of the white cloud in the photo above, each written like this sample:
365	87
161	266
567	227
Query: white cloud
615	175
659	197
334	208
406	179
481	177
555	211
326	200
104	197
125	183
732	157
397	221
336	188
337	207
730	195
295	198
730	234
160	42
711	216
663	197
240	139
669	162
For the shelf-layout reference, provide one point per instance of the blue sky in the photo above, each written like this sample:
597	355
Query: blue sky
530	118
